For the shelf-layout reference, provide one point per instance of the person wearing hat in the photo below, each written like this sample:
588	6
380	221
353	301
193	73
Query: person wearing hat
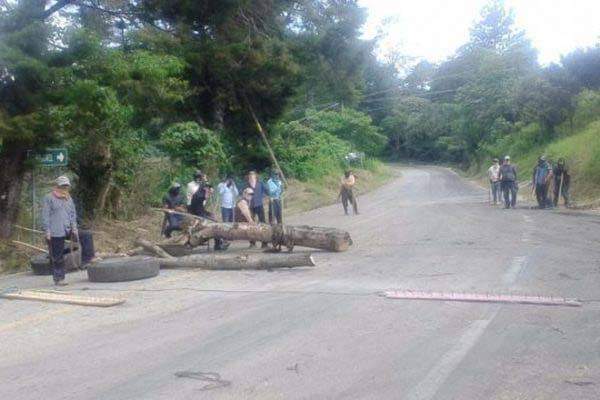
193	186
59	221
542	174
562	182
494	177
508	183
174	201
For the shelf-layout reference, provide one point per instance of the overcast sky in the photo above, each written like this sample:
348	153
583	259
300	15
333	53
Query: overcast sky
434	29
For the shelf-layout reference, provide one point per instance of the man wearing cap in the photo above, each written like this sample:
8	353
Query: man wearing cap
508	183
542	174
494	177
174	201
59	221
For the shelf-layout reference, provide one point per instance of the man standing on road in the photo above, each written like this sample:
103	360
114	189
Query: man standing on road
275	187
347	192
562	181
256	205
494	177
542	173
228	192
508	183
59	221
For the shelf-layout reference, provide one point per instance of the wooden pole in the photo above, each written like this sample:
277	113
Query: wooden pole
61	297
30	246
255	261
264	139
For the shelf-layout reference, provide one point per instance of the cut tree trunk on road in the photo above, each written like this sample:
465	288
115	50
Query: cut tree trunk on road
330	239
240	261
154	249
181	250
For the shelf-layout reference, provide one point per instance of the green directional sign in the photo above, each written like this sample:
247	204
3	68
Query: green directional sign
54	157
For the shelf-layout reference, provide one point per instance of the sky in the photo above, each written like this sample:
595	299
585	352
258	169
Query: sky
434	29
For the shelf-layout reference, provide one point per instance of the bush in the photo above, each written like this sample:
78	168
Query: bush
194	146
352	126
305	153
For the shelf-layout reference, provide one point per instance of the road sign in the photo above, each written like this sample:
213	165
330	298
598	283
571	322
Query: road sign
54	157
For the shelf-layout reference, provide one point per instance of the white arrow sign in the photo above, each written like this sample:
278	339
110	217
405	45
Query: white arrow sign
60	157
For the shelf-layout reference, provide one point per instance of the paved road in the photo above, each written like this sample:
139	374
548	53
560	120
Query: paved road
324	333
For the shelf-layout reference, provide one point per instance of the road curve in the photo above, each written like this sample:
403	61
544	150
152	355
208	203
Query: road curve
325	332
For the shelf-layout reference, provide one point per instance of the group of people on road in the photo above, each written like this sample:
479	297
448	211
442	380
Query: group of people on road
504	182
247	207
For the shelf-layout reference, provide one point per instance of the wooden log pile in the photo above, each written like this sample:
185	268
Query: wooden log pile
185	251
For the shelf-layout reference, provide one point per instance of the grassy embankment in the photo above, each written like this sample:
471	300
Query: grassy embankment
117	236
577	141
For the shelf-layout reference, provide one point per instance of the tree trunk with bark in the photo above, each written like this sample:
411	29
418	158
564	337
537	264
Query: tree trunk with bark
239	261
12	174
330	239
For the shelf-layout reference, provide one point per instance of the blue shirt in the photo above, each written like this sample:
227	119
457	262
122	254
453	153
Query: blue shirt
275	188
228	194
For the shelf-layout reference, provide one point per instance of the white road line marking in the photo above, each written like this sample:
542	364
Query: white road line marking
431	384
514	270
436	377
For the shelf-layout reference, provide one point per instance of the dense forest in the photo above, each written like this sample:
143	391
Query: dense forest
143	92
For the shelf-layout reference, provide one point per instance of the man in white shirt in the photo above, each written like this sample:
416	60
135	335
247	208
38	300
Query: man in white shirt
228	193
494	177
193	186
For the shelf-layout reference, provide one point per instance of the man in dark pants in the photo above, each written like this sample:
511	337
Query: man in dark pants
542	173
198	208
175	201
256	205
59	221
562	182
508	183
275	187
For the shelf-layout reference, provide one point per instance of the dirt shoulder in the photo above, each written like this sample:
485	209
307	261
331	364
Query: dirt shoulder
115	236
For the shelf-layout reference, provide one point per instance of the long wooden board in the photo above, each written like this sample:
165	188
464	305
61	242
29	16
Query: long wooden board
482	298
53	296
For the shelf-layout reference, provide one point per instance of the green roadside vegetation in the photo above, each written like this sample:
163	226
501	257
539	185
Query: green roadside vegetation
577	140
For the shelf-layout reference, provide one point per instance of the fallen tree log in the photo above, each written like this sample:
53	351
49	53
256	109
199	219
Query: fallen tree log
154	249
330	239
239	261
198	229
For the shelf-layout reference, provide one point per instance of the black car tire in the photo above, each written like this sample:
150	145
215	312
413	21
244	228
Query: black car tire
123	269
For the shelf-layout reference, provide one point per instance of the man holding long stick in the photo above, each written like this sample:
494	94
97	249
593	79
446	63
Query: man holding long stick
562	181
59	221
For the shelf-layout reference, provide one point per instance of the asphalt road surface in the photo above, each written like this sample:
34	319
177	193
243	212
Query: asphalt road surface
324	332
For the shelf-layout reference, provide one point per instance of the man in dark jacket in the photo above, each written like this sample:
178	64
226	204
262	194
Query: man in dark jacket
542	174
562	182
508	183
174	201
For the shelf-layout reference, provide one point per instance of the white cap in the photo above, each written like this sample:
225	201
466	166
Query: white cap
507	157
62	181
